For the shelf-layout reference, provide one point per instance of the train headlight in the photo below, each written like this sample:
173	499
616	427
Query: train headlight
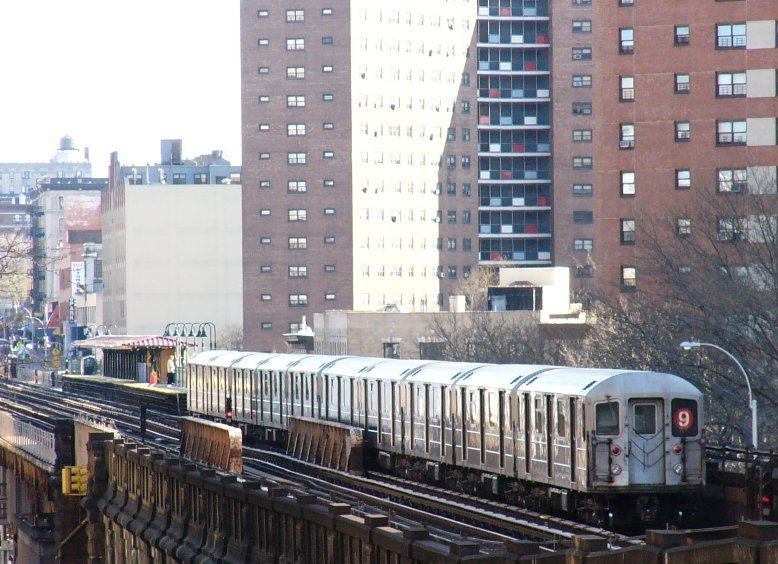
616	450
615	469
678	468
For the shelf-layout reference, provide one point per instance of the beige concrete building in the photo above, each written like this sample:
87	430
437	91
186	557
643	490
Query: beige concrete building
171	253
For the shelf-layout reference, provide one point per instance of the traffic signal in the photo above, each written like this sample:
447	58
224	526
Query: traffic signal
228	409
75	480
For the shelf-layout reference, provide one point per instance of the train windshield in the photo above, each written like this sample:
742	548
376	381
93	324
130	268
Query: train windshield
607	418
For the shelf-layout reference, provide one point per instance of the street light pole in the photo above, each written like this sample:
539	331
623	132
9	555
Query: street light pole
688	345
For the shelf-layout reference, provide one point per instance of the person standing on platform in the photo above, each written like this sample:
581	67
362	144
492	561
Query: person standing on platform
171	369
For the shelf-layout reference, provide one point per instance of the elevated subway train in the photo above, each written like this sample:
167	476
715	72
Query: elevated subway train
608	446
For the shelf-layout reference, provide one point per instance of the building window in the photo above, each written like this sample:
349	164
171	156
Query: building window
467	245
201	178
683	131
264	156
582	190
328	154
264	99
265	268
328	126
682	83
297	186
583	217
465	106
466	217
298	243
582	81
582	2
326	40
682	35
732	179
466	190
298	271
326	11
329	239
179	178
628	278
731	229
265	325
295	16
295	73
731	132
582	26
264	184
264	240
627	183
731	36
582	108
683	179
266	297
731	84
295	101
264	127
627	136
327	97
582	162
583	244
582	136
451	244
298	300
295	129
582	53
329	296
452	272
627	231
264	211
683	226
451	216
329	211
584	271
261	42
466	162
451	161
296	158
626	2
263	70
327	68
627	88
626	41
263	13
329	268
295	44
298	215
451	188
328	183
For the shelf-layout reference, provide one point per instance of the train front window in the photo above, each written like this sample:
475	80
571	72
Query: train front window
644	418
607	418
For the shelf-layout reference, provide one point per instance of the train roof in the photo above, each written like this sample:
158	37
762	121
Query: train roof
352	365
219	358
441	372
504	376
604	381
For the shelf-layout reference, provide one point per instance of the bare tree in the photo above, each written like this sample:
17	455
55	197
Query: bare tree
708	273
231	338
15	261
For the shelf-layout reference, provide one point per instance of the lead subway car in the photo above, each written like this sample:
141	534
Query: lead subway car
609	446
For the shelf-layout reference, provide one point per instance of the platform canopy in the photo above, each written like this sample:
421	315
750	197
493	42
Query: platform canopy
129	342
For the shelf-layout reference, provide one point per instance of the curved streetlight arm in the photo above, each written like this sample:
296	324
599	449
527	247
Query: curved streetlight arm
688	345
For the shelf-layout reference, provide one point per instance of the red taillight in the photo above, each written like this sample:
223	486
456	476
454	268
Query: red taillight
766	499
616	450
677	449
229	416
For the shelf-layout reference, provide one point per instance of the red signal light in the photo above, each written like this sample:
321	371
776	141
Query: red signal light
766	499
677	449
616	450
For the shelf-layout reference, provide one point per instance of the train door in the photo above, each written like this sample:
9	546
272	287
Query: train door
573	444
646	442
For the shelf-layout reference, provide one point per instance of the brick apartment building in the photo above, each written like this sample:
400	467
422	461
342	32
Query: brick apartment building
389	148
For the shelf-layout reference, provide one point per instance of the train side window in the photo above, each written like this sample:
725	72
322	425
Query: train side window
419	401
493	410
561	424
538	415
606	416
473	408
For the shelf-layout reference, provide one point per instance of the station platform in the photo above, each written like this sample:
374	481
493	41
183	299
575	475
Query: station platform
163	398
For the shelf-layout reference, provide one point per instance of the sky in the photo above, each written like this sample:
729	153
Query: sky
119	75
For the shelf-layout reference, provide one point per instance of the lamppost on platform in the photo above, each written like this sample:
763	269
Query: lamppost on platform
32	318
688	345
190	330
